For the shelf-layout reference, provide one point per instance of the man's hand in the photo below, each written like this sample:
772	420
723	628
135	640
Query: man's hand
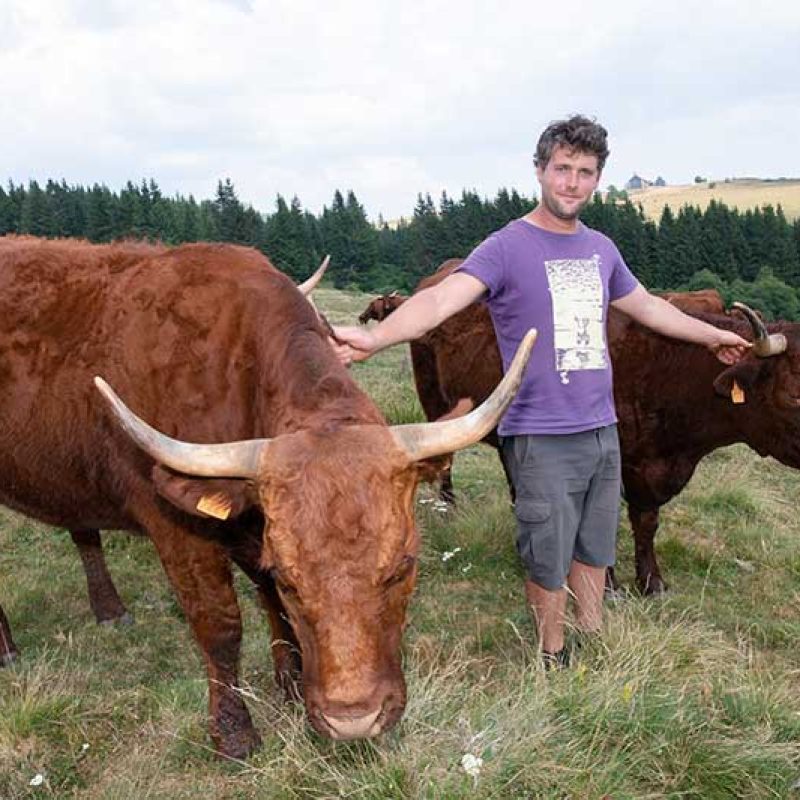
728	347
352	344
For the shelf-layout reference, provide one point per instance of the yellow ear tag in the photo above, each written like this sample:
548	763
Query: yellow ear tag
737	393
215	505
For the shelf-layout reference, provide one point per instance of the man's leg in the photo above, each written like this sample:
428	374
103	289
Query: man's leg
595	545
548	513
587	585
548	608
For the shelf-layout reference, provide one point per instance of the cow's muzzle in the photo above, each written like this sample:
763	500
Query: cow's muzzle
354	727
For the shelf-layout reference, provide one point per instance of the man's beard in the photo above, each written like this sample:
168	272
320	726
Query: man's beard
556	210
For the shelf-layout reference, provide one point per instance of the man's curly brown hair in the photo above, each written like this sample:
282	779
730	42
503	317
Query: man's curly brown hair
577	133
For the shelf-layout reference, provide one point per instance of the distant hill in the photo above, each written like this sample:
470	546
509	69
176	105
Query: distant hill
741	193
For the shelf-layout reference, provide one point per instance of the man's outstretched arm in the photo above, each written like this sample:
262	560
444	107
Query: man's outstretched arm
419	314
659	315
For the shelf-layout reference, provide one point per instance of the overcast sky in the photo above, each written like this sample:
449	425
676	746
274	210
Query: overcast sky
390	99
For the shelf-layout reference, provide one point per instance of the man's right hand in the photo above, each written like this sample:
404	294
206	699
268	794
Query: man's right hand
352	344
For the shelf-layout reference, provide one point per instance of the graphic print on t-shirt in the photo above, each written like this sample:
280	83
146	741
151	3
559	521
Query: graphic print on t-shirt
576	290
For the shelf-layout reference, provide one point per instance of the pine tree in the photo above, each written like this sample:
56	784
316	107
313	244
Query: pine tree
16	197
686	252
783	256
99	214
664	271
188	220
425	239
228	215
35	217
58	203
7	224
350	240
129	211
286	241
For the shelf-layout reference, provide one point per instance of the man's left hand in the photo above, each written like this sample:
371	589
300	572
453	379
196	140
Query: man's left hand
729	347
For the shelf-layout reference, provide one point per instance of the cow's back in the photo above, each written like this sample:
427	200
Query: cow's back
192	338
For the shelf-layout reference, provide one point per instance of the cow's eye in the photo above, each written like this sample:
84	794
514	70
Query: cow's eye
402	571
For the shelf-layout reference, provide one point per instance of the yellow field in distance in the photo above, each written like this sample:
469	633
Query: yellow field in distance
741	193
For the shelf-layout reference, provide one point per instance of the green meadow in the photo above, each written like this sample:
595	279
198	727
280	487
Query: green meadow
693	695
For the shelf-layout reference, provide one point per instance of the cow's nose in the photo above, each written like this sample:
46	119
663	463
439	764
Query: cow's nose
351	727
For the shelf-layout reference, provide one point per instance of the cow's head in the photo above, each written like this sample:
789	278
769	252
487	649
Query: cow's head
340	538
381	307
768	382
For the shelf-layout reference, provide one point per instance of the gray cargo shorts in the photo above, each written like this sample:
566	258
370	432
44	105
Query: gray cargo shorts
567	506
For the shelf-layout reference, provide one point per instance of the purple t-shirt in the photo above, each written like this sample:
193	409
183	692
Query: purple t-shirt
560	284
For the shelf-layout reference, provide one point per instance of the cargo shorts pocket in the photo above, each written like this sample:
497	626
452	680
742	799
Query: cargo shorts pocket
534	525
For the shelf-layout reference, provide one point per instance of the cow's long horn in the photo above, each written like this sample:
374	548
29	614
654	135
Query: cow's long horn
308	285
229	460
436	438
764	344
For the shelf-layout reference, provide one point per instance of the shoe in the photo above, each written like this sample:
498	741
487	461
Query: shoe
555	661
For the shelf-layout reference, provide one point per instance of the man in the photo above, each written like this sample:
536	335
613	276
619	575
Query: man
549	271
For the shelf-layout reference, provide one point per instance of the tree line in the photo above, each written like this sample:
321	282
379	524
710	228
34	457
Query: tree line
752	256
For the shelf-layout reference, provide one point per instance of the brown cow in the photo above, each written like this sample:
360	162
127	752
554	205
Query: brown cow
213	344
676	403
673	399
104	599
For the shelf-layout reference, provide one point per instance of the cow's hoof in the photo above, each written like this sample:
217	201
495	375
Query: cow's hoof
653	587
240	745
614	594
124	619
7	659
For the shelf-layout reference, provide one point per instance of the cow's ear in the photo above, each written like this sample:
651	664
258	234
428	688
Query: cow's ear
744	374
430	469
217	498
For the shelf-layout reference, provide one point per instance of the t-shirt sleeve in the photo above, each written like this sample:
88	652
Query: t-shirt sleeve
487	263
622	281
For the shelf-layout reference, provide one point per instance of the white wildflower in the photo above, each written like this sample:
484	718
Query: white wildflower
37	779
466	569
471	765
448	554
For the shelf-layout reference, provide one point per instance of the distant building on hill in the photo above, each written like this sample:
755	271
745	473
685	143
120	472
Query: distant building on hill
637	182
659	181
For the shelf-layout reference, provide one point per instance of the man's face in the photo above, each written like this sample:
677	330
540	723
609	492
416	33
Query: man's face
568	182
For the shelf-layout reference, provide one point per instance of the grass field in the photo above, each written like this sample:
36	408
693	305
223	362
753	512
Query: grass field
741	194
696	695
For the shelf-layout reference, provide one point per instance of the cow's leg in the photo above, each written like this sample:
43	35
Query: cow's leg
286	653
200	571
612	585
509	480
8	650
103	597
648	575
446	487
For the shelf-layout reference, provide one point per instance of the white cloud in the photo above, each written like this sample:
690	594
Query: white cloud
388	99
